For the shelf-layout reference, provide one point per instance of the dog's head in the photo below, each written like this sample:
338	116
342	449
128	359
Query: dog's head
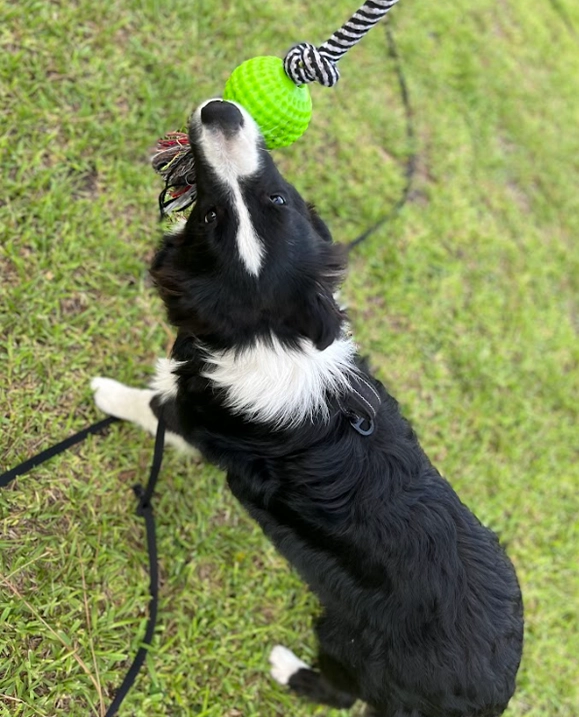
253	258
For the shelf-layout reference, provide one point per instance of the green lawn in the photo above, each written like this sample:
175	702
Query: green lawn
467	304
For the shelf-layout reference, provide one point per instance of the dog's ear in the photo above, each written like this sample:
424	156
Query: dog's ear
174	286
320	318
319	224
321	321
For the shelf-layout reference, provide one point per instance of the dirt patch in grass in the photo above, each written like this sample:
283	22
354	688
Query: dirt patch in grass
9	276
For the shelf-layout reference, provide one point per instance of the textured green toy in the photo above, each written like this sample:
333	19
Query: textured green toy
281	109
276	95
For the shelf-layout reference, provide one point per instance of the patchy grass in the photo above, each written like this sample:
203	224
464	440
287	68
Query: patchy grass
466	303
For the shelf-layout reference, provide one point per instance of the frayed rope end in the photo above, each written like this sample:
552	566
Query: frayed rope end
173	159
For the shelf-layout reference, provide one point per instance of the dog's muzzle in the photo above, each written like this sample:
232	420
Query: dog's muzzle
227	139
222	116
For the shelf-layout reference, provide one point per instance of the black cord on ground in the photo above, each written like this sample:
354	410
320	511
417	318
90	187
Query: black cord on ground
43	456
145	510
410	169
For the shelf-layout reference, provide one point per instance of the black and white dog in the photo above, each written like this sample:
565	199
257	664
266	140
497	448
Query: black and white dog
422	612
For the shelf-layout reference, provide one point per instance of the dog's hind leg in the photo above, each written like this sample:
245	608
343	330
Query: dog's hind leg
289	670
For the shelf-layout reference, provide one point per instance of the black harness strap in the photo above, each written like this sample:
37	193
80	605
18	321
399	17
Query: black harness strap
144	509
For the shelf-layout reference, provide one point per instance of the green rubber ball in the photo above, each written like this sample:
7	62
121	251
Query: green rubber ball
281	109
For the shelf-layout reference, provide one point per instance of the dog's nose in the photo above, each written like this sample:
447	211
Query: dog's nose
222	115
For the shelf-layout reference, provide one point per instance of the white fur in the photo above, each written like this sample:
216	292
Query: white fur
131	404
284	664
165	382
176	227
233	158
248	243
271	383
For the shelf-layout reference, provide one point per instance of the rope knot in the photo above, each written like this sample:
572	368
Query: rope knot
304	63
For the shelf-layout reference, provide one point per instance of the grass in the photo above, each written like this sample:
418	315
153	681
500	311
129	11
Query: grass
466	303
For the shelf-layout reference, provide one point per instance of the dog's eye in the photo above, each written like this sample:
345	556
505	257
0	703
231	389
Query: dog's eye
277	199
210	217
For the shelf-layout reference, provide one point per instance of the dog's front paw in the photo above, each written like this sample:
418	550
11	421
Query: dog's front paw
110	396
284	664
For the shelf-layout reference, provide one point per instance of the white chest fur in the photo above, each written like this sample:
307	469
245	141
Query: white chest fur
272	383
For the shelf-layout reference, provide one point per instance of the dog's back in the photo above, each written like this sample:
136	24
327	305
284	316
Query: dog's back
422	609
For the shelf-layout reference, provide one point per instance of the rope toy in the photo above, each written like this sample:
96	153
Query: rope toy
276	95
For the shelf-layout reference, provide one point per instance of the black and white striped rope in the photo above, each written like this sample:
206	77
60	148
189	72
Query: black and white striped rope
306	63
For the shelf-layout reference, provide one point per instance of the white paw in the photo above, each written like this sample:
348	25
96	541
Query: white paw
111	396
284	664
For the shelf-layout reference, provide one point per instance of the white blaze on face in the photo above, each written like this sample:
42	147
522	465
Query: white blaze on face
234	157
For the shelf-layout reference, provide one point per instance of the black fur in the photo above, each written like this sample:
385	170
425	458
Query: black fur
422	612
